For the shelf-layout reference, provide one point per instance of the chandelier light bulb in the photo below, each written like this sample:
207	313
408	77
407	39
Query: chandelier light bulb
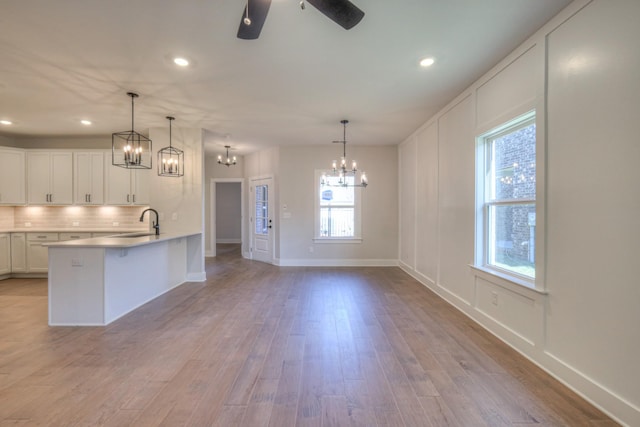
346	177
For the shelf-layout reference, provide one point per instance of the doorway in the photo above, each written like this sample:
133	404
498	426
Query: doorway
227	207
262	208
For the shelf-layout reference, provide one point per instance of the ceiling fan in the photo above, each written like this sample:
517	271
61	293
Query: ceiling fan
342	12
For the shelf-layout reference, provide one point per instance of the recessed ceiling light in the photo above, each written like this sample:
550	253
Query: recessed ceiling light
427	62
85	122
5	122
182	62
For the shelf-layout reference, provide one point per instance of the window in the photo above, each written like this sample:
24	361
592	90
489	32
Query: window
337	208
262	210
506	190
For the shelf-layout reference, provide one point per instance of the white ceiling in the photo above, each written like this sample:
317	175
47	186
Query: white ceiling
66	60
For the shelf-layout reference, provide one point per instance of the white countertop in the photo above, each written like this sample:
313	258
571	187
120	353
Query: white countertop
120	240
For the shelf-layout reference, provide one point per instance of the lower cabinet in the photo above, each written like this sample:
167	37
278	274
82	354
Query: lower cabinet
37	255
23	252
5	253
18	253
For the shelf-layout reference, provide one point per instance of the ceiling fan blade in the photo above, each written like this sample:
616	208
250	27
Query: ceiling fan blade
258	10
342	12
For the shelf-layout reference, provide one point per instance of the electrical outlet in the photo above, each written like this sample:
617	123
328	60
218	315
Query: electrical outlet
494	298
115	223
310	249
76	262
27	224
174	216
76	223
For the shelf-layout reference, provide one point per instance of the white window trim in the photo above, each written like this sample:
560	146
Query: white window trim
482	205
357	223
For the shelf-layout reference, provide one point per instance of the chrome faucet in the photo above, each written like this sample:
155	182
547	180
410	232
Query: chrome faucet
156	224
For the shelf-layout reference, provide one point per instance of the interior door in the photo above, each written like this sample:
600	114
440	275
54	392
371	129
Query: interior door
262	220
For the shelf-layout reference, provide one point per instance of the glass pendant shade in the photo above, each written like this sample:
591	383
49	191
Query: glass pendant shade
130	149
170	159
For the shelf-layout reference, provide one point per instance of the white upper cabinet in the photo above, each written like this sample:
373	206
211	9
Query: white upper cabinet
88	179
126	186
12	177
50	177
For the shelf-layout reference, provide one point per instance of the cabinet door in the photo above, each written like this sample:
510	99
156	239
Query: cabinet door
5	254
18	253
12	177
37	258
88	178
61	178
117	183
38	172
140	186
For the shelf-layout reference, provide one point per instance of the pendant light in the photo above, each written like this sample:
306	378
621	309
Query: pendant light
228	161
170	160
129	149
341	171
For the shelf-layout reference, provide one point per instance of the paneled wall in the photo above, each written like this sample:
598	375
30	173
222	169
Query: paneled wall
580	74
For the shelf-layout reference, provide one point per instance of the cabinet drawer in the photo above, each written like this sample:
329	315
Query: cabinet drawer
42	237
74	236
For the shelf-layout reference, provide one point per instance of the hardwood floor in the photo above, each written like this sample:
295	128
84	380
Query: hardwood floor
259	345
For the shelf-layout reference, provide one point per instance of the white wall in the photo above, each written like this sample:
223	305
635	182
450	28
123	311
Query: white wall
379	207
264	163
8	142
68	142
580	73
293	169
180	201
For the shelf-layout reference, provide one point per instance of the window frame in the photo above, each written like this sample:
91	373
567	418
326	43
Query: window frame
357	222
485	201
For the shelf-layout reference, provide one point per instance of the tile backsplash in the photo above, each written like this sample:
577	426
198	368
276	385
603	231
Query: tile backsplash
97	217
6	217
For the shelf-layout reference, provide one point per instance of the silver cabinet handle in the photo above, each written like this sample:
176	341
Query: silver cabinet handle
127	198
134	198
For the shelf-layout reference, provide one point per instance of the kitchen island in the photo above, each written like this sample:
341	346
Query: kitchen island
95	281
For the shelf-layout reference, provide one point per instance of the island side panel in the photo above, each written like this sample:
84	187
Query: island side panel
136	275
76	293
195	259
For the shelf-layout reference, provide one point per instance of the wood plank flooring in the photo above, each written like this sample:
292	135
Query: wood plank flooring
259	345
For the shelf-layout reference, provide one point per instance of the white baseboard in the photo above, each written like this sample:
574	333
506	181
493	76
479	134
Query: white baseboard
197	277
308	262
617	407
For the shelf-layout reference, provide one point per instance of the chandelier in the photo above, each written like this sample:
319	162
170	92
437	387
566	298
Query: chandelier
228	161
170	160
129	149
341	170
